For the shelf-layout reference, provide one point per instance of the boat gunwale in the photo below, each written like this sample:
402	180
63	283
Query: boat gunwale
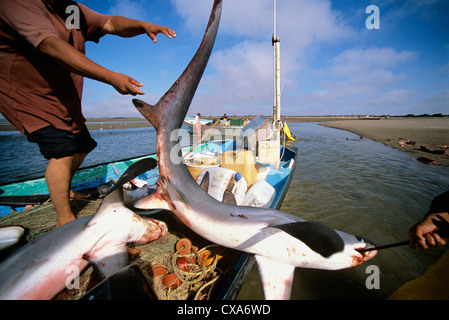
246	260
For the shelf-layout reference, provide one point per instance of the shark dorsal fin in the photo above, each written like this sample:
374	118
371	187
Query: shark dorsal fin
229	198
205	182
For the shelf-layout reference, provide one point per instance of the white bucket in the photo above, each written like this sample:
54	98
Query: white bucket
261	194
219	179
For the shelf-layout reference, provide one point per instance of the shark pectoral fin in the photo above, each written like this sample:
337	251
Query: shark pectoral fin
229	198
205	182
108	259
135	170
277	278
316	235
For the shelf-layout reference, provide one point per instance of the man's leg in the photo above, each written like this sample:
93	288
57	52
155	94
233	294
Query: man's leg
58	176
66	152
78	159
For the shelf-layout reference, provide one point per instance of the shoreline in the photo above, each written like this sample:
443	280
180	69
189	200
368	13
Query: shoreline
102	123
426	138
141	122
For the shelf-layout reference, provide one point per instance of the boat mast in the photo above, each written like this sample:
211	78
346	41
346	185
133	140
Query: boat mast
276	42
277	87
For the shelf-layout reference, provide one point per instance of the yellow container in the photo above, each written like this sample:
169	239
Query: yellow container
243	161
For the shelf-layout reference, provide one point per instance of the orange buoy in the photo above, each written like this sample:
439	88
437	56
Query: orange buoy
186	243
208	257
133	253
157	270
171	281
183	263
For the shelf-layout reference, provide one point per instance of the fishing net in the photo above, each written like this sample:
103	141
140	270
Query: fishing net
194	277
40	219
196	280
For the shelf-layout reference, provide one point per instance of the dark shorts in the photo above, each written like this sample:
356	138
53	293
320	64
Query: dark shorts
57	143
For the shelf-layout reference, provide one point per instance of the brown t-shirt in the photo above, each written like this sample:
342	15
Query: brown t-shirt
36	91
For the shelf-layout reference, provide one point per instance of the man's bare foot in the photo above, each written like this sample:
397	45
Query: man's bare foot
78	195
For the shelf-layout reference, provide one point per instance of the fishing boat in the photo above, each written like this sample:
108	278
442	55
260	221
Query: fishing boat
222	126
27	204
231	128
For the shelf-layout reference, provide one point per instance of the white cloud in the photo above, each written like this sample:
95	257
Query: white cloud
133	9
113	104
241	75
299	21
358	60
360	81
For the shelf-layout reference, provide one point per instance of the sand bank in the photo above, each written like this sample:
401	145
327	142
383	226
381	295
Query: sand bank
101	124
423	137
117	123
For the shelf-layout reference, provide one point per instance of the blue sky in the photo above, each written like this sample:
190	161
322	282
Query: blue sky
331	64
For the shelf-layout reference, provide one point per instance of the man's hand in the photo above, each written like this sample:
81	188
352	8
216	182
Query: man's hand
125	84
153	30
125	27
424	233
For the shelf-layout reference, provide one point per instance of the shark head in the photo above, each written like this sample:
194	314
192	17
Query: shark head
322	247
350	256
311	245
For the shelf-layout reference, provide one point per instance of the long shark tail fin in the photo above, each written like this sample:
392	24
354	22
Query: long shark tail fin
172	108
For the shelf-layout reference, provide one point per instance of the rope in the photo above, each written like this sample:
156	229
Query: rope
198	280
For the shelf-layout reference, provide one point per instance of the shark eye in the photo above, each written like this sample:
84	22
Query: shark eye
359	238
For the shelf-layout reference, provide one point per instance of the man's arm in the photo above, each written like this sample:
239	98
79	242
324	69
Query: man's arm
125	27
78	63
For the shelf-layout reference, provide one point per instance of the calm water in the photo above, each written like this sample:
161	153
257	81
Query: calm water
22	159
354	185
363	188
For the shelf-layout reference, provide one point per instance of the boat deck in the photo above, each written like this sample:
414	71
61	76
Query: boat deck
221	281
42	219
